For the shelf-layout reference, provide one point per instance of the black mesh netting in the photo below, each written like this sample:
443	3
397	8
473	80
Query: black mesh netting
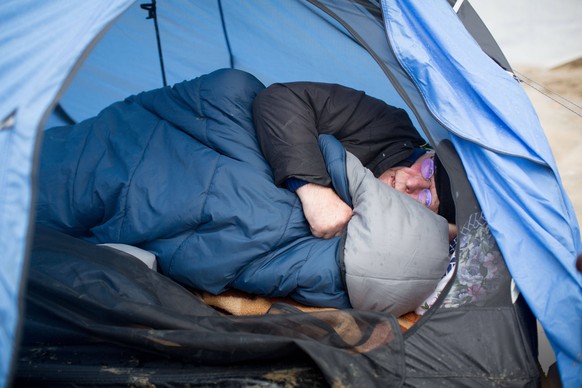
89	306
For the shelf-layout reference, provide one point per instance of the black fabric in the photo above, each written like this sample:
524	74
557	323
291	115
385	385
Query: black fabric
444	192
289	117
100	365
82	295
479	347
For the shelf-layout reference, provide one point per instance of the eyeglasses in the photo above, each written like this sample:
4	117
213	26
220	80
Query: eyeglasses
427	171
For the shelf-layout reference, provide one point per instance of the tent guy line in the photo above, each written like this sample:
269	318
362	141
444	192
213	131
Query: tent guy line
542	89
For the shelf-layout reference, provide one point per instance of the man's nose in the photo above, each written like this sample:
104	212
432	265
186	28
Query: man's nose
416	183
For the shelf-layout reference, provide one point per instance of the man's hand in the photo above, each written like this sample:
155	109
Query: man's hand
325	212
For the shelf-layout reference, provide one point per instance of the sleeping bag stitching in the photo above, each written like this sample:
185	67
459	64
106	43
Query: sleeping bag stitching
193	234
296	204
74	180
125	192
200	115
301	267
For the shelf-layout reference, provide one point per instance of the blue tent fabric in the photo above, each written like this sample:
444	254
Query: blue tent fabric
500	141
39	49
261	54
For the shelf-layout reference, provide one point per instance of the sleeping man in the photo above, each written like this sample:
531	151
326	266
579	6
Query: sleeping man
288	119
179	172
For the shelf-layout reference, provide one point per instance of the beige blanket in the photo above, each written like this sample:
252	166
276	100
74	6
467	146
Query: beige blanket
239	303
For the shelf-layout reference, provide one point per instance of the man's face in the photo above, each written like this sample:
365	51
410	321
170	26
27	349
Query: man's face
411	181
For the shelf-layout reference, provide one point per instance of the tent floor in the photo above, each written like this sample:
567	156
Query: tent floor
98	366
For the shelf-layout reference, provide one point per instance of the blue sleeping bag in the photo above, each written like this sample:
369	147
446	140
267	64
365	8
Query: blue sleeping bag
178	171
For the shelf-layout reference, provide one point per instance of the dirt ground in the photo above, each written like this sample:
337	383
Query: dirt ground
563	127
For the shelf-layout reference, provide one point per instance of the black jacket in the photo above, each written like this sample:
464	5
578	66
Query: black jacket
289	117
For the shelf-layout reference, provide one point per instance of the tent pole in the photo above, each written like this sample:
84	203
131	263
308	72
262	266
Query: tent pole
152	14
231	61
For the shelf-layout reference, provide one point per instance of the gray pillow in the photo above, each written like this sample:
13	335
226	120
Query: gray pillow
396	249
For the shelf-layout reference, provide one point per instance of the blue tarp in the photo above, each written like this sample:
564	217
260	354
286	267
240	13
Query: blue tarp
508	162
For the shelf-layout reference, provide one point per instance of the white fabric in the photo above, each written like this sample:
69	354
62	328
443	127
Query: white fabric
146	257
432	298
396	249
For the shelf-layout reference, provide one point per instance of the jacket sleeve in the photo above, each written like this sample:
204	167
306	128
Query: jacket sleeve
289	117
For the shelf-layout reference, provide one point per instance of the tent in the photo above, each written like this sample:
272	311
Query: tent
64	61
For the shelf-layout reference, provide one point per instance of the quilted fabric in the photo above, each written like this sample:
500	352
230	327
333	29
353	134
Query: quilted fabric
178	171
396	250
